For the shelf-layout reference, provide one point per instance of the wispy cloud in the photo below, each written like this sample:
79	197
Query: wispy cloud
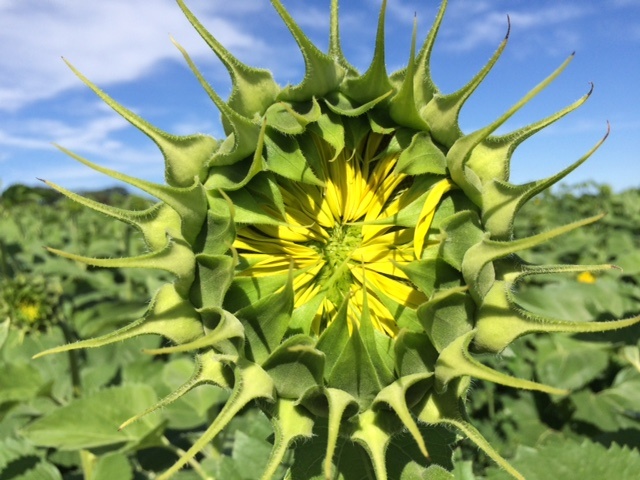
92	135
99	139
115	41
312	18
486	25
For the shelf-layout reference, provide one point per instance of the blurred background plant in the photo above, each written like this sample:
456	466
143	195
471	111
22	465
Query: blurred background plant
59	415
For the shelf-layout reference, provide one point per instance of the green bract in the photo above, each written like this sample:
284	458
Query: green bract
340	257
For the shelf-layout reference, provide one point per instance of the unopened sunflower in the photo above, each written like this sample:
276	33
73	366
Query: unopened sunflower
340	256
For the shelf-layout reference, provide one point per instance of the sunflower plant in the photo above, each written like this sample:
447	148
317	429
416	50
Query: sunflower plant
340	258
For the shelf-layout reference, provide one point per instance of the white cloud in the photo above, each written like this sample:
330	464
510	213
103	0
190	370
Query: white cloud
96	139
91	135
465	8
312	18
487	26
548	16
113	41
192	125
401	12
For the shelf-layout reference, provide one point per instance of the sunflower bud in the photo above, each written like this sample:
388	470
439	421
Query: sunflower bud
341	255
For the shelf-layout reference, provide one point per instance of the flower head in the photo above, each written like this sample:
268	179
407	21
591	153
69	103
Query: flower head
341	237
31	302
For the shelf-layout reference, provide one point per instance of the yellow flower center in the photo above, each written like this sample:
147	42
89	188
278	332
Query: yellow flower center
344	240
29	311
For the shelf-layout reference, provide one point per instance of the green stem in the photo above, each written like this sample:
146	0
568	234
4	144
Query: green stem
492	402
3	260
192	461
87	463
76	380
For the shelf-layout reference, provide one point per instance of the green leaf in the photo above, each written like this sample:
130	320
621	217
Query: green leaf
460	232
250	455
354	358
612	408
247	209
464	471
19	460
93	421
571	301
222	467
569	363
560	457
19	382
628	261
334	339
40	471
110	467
395	397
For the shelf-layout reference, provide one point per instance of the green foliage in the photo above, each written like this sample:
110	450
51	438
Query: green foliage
594	432
579	459
59	415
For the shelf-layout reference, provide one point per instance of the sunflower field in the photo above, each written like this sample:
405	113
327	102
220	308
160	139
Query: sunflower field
59	415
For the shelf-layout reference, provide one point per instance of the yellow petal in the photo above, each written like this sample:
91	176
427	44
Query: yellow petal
427	213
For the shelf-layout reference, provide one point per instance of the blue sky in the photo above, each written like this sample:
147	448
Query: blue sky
124	47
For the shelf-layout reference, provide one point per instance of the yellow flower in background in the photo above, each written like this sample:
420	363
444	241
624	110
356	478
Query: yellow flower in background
31	302
586	277
29	312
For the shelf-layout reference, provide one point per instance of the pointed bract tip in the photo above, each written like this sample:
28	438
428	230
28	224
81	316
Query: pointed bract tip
128	422
506	37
